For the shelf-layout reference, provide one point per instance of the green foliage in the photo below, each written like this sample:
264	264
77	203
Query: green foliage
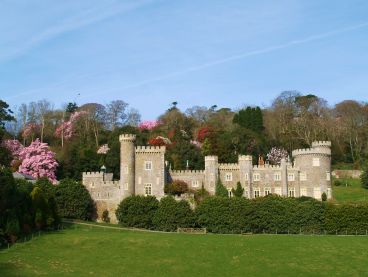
250	118
137	211
238	192
105	216
172	214
200	195
220	189
324	197
74	200
5	113
177	187
364	179
206	148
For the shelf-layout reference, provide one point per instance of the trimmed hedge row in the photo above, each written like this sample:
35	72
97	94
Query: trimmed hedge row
271	214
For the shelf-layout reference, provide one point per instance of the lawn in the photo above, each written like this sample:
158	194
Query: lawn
350	192
99	252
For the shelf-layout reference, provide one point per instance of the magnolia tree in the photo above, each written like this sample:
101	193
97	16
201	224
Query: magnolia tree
148	125
29	130
276	155
103	149
15	147
67	128
38	161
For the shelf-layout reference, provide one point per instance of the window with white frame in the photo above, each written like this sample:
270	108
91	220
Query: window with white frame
267	191
291	192
148	165
291	177
277	176
92	185
126	186
126	169
303	176
195	183
303	192
316	162
229	192
328	176
256	177
147	189
278	190
246	177
228	177
256	193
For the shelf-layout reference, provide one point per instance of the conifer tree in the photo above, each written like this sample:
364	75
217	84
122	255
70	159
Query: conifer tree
238	192
221	190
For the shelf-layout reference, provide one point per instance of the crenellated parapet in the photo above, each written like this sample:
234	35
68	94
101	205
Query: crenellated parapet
229	166
150	149
266	166
127	137
186	172
321	144
245	158
96	174
211	158
312	151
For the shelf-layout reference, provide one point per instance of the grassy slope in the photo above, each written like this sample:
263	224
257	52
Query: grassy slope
352	193
96	252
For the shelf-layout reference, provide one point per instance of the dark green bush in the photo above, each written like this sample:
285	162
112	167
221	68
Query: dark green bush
364	179
177	187
337	183
105	216
220	189
172	214
238	192
137	211
74	200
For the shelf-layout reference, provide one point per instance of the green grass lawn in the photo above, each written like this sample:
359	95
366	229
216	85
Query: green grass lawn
350	192
98	252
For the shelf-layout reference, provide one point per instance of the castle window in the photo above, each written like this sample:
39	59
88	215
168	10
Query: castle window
229	192
291	177
256	177
126	169
267	191
328	176
303	192
147	189
246	177
228	177
126	186
316	162
195	183
148	165
291	192
256	193
278	191
303	176
317	192
92	185
139	180
277	176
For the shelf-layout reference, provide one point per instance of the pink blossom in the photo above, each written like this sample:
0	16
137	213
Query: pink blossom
14	146
276	155
196	143
103	149
66	128
29	129
148	125
38	161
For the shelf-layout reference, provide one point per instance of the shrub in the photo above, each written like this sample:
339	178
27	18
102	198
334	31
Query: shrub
364	179
74	200
200	195
324	197
238	192
172	214
137	211
177	187
105	216
337	183
220	189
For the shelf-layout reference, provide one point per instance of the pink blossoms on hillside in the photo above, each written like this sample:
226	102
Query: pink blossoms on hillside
103	149
14	146
66	129
148	124
38	161
276	155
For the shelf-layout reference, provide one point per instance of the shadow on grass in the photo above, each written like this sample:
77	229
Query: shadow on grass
10	270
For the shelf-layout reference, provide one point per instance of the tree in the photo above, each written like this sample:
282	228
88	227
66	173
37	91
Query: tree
364	178
220	189
238	192
250	118
177	187
74	200
71	107
43	108
276	155
38	161
5	113
116	113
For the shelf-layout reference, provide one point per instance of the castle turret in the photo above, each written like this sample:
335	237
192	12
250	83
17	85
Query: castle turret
284	177
211	169
127	164
246	170
315	169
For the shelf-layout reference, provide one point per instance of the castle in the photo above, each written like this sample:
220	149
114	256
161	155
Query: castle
143	171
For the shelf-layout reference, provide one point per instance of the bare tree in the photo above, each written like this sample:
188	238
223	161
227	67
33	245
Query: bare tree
116	113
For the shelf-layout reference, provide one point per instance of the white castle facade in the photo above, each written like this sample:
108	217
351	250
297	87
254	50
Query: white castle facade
143	171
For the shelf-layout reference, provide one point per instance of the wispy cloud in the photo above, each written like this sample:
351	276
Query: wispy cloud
81	20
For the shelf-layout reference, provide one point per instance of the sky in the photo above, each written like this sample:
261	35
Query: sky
151	53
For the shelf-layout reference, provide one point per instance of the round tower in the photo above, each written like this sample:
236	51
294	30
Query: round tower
127	164
315	169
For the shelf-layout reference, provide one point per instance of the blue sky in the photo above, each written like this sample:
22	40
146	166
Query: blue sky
150	53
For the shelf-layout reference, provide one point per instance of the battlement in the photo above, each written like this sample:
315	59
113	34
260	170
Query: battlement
266	166
97	174
186	172
321	144
127	137
211	158
245	158
229	166
150	149
110	183
312	151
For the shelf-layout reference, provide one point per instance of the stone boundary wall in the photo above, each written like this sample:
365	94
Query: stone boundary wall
338	174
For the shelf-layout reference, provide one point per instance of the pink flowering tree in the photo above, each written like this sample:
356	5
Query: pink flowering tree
29	131
66	129
15	147
103	149
276	155
38	161
148	125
